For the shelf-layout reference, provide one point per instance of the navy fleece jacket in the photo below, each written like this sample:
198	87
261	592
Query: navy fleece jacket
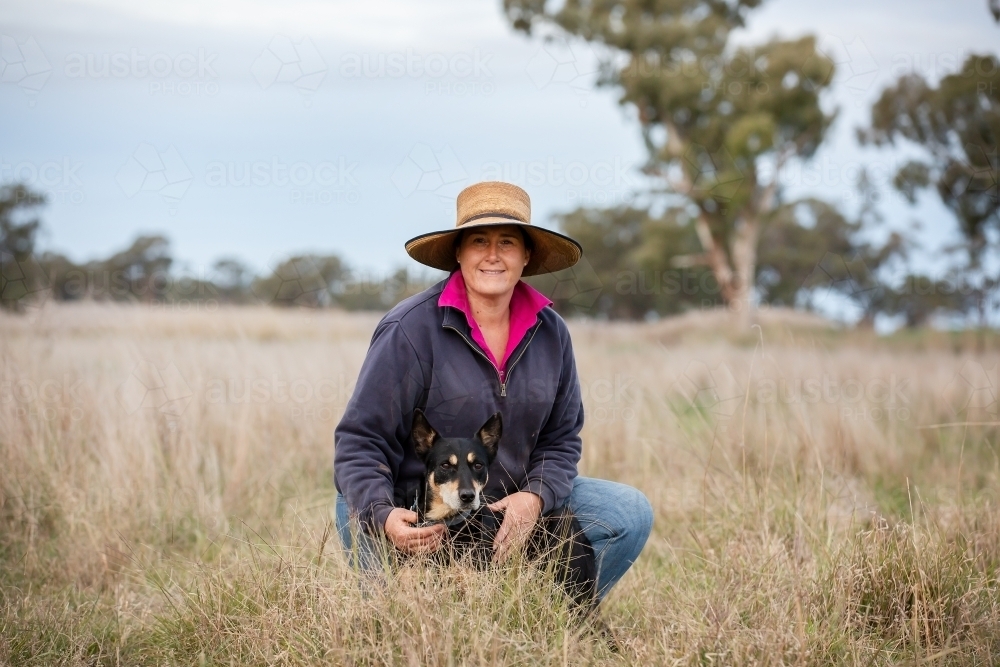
423	356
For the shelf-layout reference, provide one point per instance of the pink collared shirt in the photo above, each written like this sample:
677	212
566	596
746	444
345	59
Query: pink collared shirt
525	304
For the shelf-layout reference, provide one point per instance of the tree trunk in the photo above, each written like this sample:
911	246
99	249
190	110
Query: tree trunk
715	256
735	270
744	254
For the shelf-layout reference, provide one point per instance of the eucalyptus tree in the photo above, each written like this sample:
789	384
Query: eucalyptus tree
953	130
719	121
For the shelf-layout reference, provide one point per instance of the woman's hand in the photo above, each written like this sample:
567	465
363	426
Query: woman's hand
401	532
521	511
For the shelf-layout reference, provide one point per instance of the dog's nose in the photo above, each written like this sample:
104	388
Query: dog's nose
467	496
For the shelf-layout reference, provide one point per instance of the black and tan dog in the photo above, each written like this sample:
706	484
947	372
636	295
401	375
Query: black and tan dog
451	493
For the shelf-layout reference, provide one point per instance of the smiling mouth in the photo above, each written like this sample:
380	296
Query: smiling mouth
492	272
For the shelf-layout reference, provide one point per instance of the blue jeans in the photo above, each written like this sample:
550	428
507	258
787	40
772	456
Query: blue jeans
615	518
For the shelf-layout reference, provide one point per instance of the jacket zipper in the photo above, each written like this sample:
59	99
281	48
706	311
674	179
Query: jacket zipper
503	385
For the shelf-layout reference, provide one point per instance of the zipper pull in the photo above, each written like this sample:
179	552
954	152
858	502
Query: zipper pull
503	388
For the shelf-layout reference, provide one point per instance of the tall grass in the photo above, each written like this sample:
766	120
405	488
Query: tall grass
166	497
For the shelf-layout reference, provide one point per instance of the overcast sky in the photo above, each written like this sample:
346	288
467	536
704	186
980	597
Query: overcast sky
359	122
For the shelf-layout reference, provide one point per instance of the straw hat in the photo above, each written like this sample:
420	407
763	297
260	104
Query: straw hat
488	204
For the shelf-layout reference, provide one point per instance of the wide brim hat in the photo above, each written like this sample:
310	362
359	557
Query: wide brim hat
488	204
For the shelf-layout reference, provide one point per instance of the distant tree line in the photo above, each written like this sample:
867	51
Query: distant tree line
639	265
635	264
146	272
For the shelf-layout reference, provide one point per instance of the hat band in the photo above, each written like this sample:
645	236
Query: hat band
492	215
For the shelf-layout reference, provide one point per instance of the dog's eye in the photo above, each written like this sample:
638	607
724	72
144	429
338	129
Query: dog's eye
477	466
446	466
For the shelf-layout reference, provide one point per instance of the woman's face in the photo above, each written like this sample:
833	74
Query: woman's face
492	259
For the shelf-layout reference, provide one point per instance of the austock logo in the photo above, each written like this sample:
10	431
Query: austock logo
855	65
446	395
461	73
138	65
181	74
149	170
579	285
24	285
873	399
972	394
23	64
983	174
162	390
714	173
22	280
600	182
293	281
326	182
835	274
712	391
53	180
717	393
562	62
293	63
48	399
424	169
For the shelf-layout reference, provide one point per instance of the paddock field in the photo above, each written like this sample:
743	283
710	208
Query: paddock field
821	497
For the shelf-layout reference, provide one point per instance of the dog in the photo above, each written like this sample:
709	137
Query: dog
451	492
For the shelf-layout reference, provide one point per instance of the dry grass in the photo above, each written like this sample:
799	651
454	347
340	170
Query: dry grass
805	515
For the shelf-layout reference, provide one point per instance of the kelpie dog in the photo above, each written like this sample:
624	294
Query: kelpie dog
451	493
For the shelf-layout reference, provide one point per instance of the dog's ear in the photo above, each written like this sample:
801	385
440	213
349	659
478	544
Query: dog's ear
423	434
490	434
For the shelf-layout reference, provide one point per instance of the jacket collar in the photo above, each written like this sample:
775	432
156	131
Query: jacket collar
525	304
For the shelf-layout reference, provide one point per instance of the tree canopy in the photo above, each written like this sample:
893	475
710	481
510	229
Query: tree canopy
955	127
719	123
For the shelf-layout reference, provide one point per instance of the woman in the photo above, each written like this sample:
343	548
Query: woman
479	342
